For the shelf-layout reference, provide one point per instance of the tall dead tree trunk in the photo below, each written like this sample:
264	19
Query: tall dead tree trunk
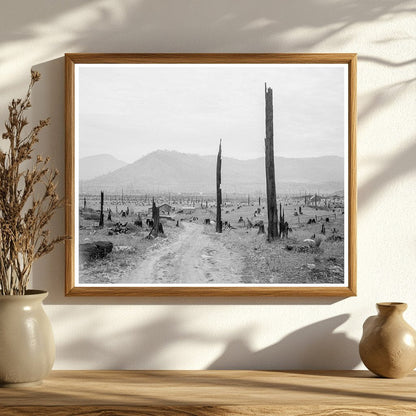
272	231
101	224
218	227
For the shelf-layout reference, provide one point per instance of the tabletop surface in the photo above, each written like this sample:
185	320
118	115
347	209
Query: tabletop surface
231	392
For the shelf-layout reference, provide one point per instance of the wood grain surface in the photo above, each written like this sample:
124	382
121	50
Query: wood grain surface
202	393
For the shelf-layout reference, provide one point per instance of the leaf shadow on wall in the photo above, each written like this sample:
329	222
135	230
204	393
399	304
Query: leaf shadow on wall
397	166
188	26
144	346
382	98
315	346
220	26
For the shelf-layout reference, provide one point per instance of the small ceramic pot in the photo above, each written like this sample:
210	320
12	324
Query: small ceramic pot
388	344
27	347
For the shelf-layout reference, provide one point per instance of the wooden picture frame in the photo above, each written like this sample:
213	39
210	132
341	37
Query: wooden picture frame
86	126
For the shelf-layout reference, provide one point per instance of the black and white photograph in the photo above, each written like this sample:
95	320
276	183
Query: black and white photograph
215	175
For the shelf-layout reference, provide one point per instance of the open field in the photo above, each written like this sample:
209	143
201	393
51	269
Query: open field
190	251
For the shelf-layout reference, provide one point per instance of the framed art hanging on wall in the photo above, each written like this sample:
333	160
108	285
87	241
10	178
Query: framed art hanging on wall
211	174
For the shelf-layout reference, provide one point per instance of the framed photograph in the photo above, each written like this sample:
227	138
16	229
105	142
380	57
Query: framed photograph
211	174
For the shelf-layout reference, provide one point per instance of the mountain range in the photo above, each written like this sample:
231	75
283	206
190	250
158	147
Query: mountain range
93	166
171	171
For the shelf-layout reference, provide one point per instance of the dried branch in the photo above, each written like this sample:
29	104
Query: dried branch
23	217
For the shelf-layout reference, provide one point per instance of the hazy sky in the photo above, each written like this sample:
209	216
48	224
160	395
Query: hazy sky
133	110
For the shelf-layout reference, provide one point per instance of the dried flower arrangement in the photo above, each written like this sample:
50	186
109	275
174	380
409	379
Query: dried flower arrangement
28	199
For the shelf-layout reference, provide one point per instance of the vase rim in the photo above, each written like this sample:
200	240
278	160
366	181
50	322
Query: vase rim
400	306
30	293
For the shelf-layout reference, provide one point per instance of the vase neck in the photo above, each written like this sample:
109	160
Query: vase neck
390	308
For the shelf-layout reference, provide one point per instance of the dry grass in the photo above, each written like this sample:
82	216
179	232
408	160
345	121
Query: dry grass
286	261
291	260
128	252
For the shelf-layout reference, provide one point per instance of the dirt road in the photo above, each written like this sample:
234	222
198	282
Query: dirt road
195	257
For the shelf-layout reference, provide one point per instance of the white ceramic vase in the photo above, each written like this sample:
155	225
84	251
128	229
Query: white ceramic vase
27	347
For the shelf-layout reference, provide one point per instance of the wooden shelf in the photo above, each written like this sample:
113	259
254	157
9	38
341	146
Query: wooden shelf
202	393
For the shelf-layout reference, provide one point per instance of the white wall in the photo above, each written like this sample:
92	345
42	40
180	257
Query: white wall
200	333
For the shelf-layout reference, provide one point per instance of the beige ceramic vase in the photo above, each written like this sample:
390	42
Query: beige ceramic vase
388	344
27	347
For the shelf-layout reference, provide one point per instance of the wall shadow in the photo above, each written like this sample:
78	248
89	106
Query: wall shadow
313	347
397	166
382	98
221	25
139	347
